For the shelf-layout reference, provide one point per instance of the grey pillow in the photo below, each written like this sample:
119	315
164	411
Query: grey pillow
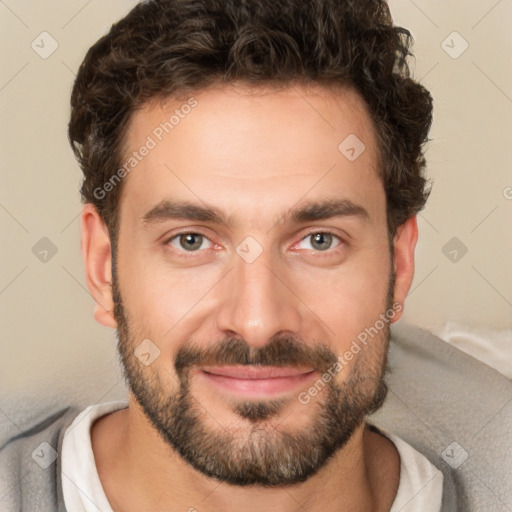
450	406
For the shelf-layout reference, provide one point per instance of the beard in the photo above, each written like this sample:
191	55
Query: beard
261	452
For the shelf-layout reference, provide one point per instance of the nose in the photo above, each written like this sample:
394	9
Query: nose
257	301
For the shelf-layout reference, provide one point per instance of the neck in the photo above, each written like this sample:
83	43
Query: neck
359	476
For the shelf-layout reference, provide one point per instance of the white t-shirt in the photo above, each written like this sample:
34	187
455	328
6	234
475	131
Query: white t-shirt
420	488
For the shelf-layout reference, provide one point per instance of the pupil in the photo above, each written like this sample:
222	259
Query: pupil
323	240
187	241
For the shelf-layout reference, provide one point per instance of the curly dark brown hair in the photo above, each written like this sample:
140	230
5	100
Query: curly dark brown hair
168	47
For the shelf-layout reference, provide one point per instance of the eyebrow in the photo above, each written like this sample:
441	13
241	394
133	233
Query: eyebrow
308	212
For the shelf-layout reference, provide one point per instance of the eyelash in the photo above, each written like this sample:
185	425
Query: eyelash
192	254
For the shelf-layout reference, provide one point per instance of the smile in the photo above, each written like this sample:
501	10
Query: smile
255	381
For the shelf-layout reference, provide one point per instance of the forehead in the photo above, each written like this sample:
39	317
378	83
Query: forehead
239	146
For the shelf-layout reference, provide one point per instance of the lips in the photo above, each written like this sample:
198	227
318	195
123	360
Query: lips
255	372
254	381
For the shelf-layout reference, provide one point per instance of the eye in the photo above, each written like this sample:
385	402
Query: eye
320	241
189	242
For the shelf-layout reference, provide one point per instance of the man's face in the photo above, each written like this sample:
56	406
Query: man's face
266	289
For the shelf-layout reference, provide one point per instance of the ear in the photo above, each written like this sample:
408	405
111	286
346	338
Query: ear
405	241
97	256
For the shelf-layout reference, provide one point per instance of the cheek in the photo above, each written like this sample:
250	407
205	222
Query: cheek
348	299
159	298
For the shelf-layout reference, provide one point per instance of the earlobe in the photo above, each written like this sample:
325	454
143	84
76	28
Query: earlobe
404	245
97	256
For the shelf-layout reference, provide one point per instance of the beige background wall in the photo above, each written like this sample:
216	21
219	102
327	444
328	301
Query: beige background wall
48	336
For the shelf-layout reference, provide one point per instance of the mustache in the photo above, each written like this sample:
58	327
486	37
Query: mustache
280	351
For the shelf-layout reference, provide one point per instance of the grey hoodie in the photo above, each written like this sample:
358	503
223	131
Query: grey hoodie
29	480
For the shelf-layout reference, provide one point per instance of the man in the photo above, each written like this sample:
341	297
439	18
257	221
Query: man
252	175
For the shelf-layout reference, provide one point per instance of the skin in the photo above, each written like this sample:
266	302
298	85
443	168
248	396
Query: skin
253	153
